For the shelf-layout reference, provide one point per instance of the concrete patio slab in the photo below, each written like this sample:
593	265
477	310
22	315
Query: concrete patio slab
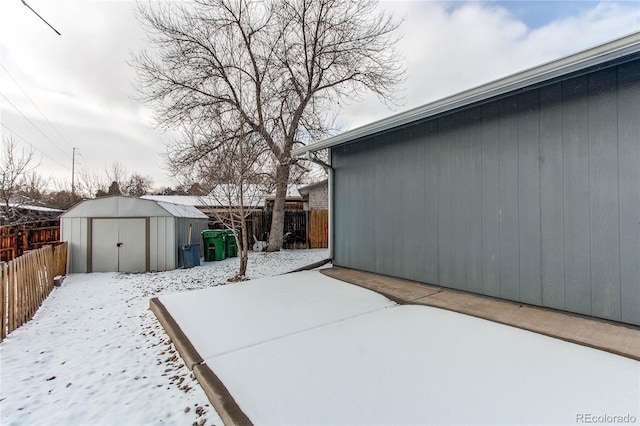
420	365
282	305
309	349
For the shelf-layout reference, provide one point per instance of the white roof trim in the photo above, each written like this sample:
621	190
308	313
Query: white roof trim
596	55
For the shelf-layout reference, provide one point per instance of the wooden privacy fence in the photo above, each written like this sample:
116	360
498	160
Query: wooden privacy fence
319	233
305	229
18	239
26	281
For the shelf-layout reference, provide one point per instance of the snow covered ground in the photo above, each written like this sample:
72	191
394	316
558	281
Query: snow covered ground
94	354
308	349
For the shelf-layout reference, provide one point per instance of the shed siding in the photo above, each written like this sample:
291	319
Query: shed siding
74	231
161	244
534	197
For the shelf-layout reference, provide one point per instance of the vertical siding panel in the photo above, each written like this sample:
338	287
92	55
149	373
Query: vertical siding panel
154	248
399	150
413	204
552	197
529	197
343	205
165	248
444	202
576	195
603	192
77	244
383	204
346	203
490	200
458	142
336	186
368	219
170	235
629	175
431	197
474	200
509	236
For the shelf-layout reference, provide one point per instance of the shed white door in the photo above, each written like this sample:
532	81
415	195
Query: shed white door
118	245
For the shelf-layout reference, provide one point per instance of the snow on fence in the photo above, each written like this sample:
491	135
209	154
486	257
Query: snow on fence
25	282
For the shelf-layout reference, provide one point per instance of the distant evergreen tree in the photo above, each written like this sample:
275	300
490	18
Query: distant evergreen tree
114	189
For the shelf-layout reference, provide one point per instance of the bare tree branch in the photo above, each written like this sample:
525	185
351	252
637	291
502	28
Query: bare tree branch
279	67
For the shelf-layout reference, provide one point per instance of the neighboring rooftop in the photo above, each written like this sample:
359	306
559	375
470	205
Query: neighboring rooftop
254	196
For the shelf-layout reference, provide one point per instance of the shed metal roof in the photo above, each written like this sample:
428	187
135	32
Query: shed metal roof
119	206
594	56
178	210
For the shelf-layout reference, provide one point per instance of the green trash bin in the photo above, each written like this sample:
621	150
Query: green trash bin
232	244
214	244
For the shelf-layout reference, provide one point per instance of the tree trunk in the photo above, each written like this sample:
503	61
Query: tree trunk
277	220
244	249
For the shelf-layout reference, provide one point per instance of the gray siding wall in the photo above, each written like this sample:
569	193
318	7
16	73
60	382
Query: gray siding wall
534	197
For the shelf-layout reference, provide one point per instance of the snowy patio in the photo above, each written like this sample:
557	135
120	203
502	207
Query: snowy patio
295	349
308	349
95	355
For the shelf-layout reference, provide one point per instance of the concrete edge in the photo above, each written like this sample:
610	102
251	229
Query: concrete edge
425	301
310	266
186	350
218	394
224	404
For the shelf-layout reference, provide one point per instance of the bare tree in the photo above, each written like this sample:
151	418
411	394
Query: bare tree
117	173
91	184
226	162
34	186
15	165
281	66
137	185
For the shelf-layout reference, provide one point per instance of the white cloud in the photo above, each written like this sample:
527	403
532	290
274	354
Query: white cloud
453	46
81	80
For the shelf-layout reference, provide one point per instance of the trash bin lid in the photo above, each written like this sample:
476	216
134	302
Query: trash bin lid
213	233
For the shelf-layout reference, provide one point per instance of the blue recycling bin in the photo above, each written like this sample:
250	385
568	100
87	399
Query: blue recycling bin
190	255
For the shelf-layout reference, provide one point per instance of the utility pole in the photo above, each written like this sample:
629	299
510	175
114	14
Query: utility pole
73	174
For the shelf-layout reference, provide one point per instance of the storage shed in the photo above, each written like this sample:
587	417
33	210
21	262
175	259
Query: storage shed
526	188
121	234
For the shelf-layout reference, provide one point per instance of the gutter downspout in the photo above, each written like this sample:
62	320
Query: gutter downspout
329	170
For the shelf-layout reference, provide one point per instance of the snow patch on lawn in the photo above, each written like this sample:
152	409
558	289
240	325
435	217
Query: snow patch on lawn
94	354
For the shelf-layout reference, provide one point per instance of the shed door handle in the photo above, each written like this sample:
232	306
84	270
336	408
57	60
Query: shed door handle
119	244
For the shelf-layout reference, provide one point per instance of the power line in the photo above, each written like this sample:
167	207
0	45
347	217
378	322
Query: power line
32	123
34	104
44	20
31	145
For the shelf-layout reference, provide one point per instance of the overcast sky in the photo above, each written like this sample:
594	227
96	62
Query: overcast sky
76	90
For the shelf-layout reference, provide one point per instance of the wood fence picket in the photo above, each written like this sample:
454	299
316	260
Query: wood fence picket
319	235
25	283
